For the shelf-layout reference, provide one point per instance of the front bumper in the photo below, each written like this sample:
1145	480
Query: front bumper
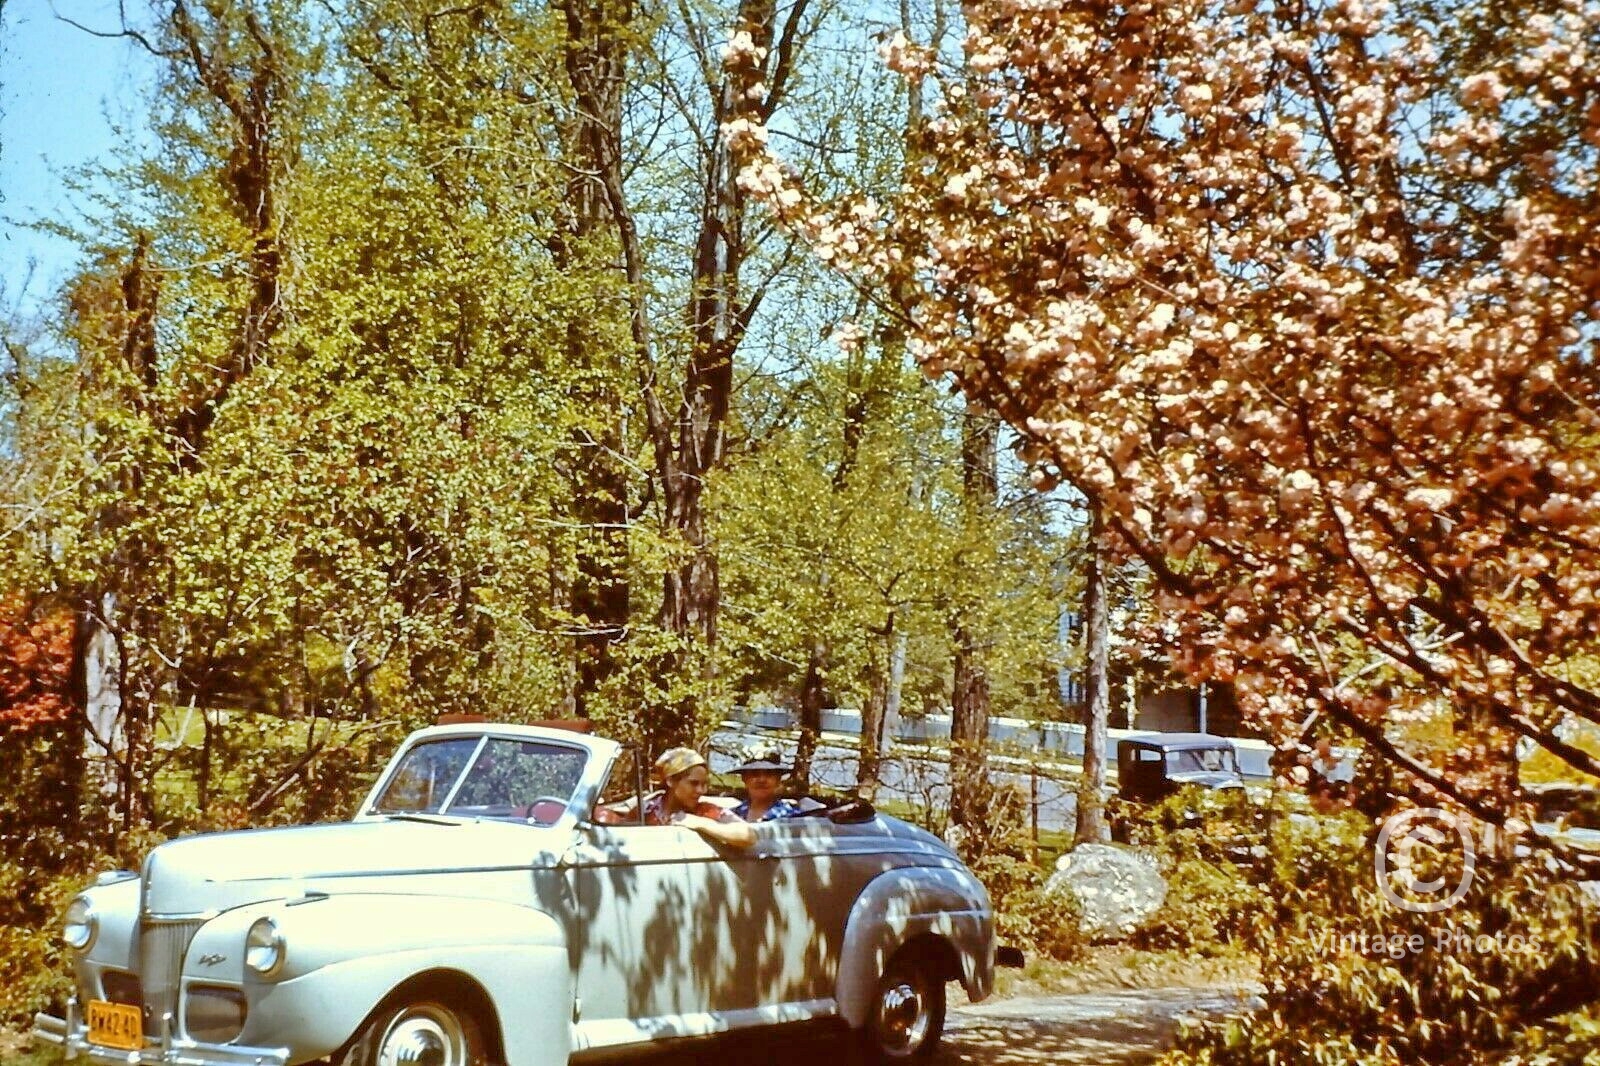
72	1035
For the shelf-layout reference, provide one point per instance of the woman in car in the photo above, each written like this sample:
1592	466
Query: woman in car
684	775
763	773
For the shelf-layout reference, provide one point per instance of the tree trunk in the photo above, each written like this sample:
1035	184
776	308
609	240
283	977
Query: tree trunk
813	691
886	678
692	446
969	732
601	595
96	673
251	88
894	698
1091	819
969	700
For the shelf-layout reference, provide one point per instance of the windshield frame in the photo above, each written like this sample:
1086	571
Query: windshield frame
598	753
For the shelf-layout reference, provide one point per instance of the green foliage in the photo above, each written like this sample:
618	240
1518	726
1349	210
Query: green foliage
1049	921
1210	909
34	970
866	544
1210	843
52	839
1350	978
999	849
1216	825
1569	1040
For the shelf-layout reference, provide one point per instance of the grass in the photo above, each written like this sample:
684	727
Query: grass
17	1049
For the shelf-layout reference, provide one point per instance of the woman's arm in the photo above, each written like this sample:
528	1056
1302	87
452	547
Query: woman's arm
734	833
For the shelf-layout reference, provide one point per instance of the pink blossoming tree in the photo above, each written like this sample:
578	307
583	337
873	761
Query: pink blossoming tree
1303	297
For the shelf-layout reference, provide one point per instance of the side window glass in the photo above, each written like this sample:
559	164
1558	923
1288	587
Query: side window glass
619	797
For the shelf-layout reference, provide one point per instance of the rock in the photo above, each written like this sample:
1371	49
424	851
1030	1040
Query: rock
1117	889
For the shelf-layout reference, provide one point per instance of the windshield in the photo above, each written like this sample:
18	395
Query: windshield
1197	760
494	777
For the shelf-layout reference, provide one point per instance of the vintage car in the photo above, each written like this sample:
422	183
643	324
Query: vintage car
1153	766
491	902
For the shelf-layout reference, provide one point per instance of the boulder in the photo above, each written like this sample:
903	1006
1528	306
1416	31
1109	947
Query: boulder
1117	889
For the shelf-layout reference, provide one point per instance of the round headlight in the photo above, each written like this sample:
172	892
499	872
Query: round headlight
81	924
263	947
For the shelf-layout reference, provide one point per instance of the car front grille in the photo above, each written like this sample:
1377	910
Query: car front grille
120	987
162	943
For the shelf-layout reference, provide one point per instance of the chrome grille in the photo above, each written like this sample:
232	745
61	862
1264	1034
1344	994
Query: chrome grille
122	987
162	943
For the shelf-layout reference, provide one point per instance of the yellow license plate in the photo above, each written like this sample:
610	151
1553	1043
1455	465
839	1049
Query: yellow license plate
115	1025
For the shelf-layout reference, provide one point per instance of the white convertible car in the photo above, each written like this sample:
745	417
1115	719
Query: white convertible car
490	903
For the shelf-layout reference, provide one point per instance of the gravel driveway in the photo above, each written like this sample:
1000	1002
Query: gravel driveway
1119	1028
1106	1028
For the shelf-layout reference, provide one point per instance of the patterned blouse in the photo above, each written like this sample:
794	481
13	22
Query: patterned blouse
655	811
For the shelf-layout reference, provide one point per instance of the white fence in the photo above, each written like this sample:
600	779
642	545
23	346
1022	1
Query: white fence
1064	739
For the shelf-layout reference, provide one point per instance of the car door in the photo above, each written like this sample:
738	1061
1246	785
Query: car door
628	912
769	921
754	937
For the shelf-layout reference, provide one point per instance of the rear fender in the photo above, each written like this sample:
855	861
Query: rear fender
905	904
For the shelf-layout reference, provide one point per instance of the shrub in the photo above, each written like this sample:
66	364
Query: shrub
1210	908
1569	1040
1216	825
1210	844
1511	970
1026	914
999	849
34	971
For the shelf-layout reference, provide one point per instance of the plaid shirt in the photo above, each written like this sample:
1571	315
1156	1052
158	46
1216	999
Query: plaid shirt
782	808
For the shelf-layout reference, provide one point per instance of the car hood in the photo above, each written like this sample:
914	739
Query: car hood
220	871
1208	778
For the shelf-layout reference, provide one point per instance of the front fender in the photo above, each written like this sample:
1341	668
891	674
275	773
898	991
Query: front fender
344	955
897	907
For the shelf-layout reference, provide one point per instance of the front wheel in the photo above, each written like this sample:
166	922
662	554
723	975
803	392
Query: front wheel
907	1015
425	1033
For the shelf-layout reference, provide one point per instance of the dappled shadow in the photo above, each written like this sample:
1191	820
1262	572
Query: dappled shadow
660	924
1117	1029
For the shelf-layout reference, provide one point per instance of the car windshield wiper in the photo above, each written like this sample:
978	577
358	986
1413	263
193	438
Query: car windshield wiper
426	819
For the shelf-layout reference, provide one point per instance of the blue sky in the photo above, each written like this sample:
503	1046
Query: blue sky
60	89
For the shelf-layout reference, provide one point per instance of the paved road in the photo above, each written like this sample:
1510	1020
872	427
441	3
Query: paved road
912	773
1124	1028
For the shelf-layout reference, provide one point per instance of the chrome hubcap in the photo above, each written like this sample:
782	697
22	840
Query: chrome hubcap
424	1036
903	1019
